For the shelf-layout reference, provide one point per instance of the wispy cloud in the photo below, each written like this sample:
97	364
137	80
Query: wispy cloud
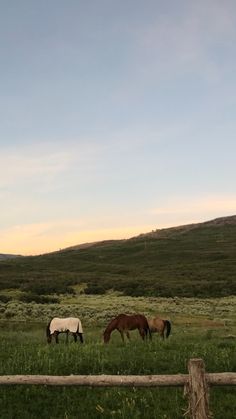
194	208
186	42
20	166
43	163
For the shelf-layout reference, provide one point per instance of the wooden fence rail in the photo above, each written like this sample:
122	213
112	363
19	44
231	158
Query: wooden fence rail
196	383
97	380
216	379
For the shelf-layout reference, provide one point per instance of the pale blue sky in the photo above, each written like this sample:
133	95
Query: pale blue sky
117	117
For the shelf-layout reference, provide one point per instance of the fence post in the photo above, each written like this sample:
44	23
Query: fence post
198	391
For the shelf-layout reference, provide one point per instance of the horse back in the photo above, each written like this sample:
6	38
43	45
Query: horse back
156	324
136	321
72	324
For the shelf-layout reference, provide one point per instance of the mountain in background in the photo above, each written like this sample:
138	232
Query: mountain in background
4	256
190	260
162	233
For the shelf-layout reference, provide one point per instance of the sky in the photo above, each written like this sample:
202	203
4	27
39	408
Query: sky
116	118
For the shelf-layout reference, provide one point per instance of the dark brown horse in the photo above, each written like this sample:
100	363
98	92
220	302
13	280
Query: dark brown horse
123	323
159	325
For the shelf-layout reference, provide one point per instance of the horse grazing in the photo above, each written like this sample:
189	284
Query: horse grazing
70	324
159	325
123	323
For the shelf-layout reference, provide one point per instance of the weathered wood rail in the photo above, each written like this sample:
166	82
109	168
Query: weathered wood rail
196	384
97	380
178	380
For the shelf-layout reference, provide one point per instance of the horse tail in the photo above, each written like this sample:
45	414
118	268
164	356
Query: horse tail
48	333
168	327
80	327
80	331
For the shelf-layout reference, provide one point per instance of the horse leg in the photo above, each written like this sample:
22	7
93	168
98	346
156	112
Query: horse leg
81	337
122	335
146	331
149	333
127	334
56	336
67	333
75	336
162	331
142	332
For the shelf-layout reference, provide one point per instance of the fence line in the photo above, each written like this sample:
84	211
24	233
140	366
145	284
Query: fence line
178	380
97	380
196	384
221	378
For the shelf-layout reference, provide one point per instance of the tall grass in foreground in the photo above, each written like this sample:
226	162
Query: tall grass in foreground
26	352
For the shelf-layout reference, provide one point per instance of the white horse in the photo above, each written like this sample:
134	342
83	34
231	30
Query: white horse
70	324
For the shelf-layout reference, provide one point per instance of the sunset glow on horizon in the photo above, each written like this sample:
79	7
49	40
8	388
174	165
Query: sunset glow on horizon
34	239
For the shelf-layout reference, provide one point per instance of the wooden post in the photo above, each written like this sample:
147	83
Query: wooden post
198	390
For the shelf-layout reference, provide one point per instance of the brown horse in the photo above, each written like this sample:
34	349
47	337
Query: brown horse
159	325
123	323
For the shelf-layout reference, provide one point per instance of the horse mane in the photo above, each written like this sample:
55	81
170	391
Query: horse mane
112	325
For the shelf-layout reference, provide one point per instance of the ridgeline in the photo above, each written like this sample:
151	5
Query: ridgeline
192	260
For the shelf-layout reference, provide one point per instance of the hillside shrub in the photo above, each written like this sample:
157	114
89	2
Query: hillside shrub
95	289
47	286
39	299
4	298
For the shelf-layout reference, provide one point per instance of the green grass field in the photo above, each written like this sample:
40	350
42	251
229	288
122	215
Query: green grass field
200	328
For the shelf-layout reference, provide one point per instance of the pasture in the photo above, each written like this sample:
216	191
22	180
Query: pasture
200	328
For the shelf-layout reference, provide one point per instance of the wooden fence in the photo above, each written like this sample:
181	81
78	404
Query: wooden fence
196	384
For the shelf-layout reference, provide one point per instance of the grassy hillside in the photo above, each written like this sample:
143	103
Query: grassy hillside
4	256
195	260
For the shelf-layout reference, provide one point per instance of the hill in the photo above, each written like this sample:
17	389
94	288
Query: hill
191	260
4	256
